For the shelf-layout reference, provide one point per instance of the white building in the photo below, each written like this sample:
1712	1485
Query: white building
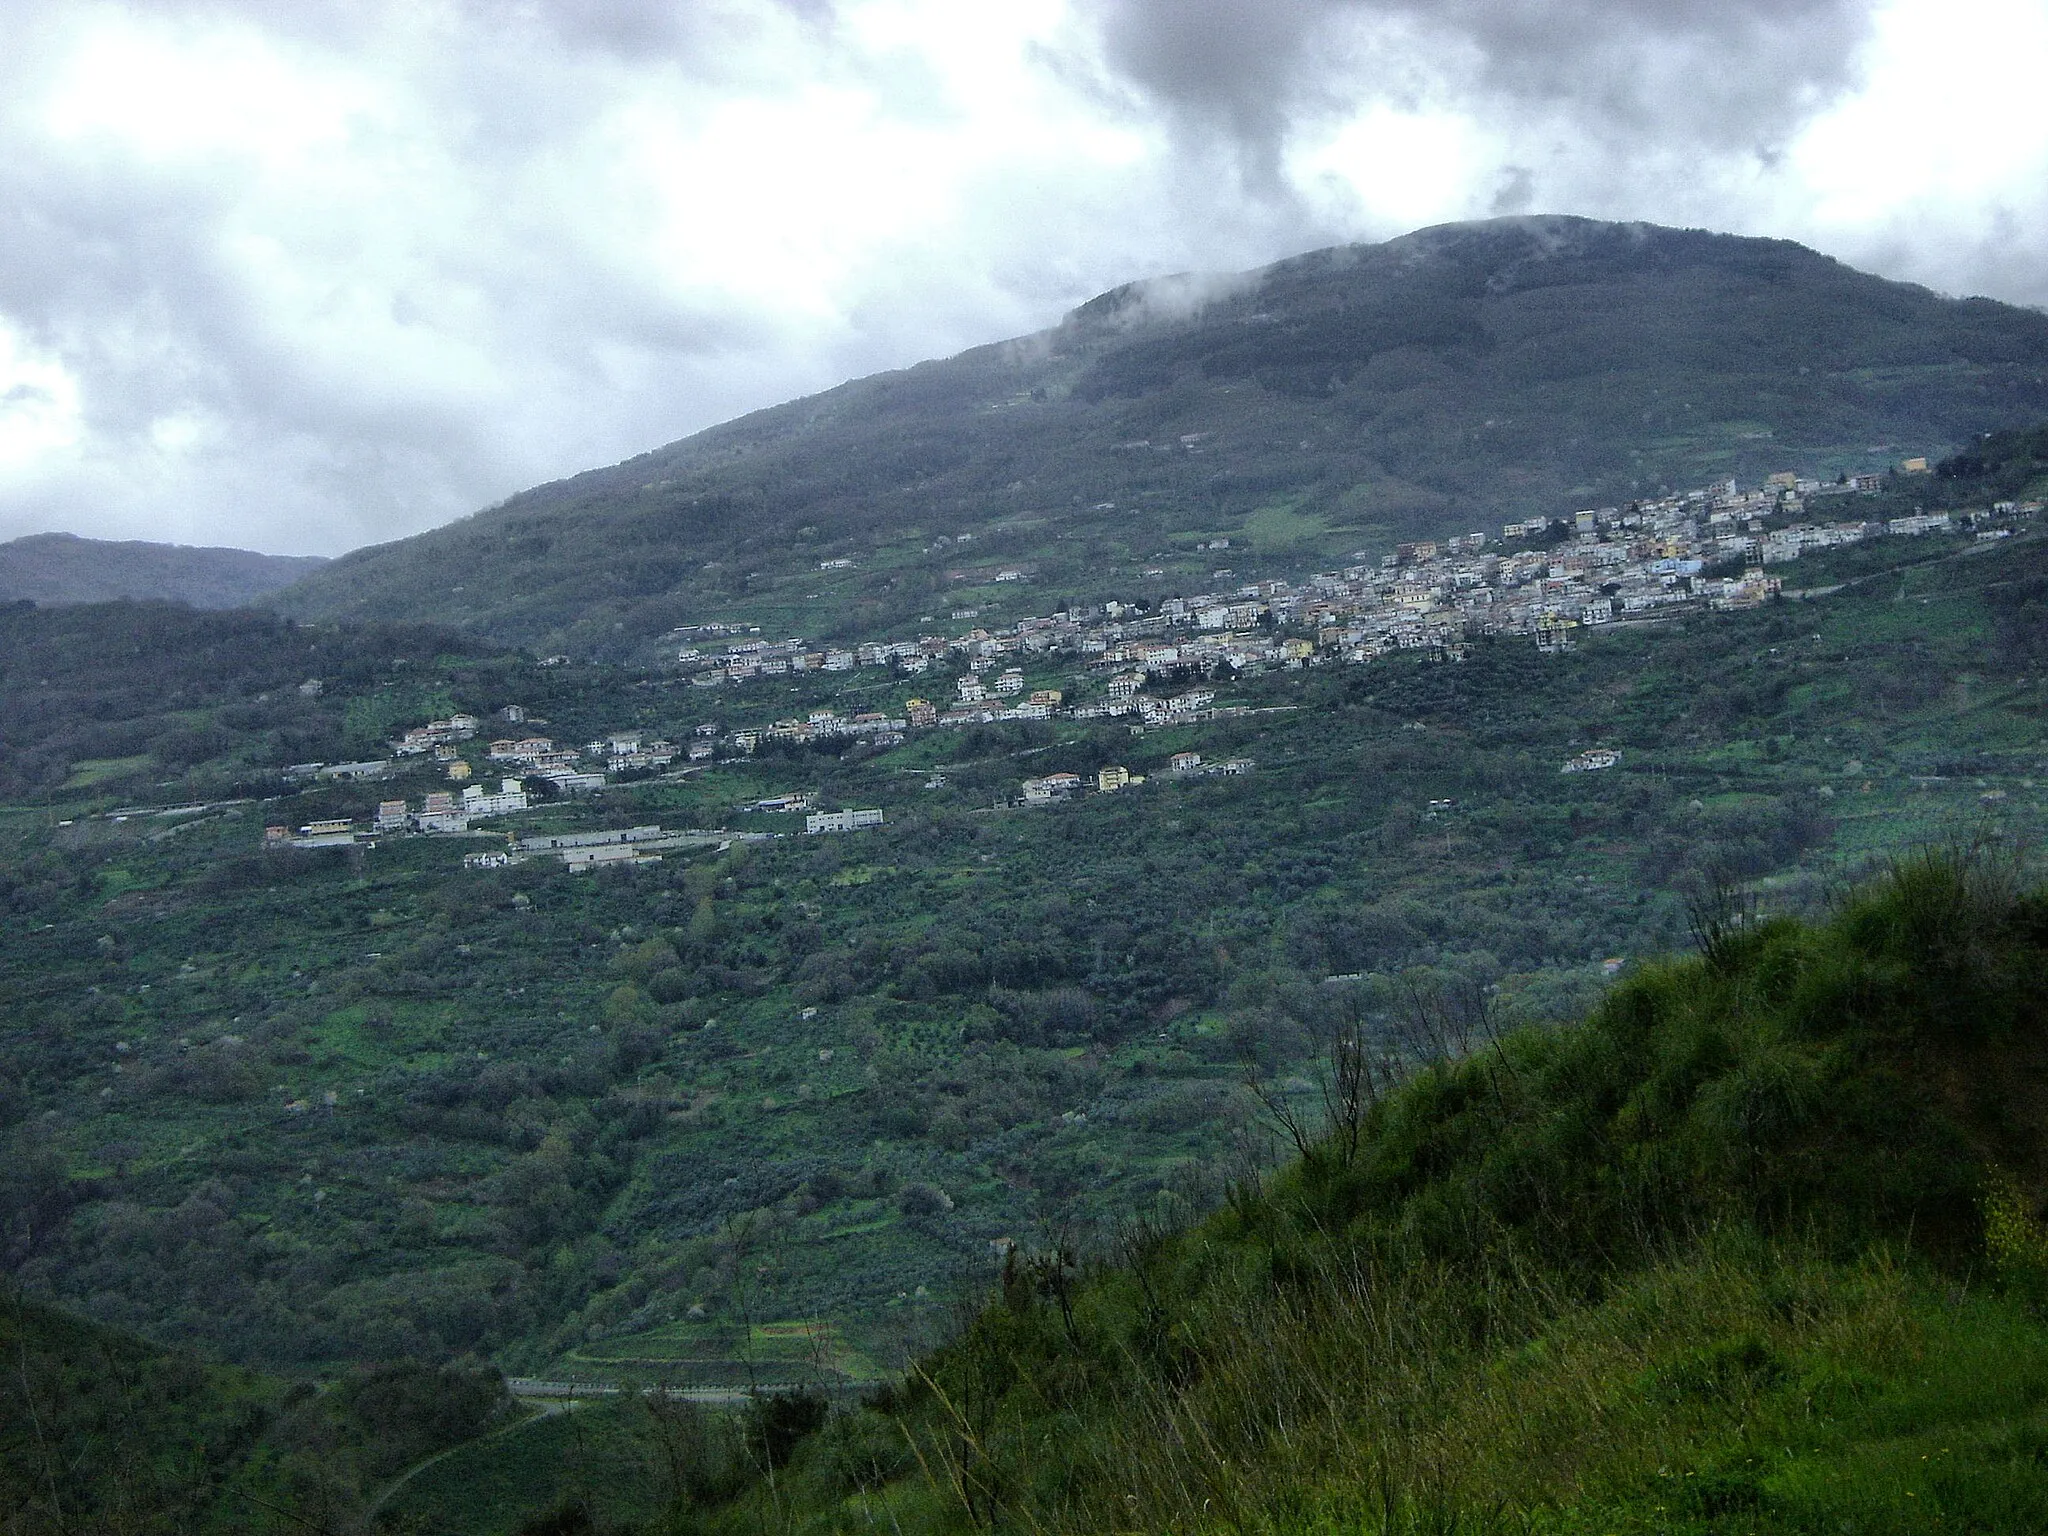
841	821
478	801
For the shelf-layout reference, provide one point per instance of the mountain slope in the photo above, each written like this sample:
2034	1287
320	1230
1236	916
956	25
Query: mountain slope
63	568
1435	383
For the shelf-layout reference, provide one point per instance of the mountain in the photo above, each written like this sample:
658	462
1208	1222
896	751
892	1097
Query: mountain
63	568
1436	383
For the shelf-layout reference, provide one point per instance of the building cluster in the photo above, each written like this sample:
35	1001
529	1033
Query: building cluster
747	660
440	811
446	811
841	821
616	847
822	725
574	771
1183	765
569	770
1717	548
1707	550
436	734
1595	761
1544	579
619	845
1189	765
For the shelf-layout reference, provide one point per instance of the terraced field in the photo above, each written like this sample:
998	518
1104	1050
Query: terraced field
803	1352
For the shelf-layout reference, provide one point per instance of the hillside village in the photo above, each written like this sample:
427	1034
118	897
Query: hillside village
1708	549
1715	549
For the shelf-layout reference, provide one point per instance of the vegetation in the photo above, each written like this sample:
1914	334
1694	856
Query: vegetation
1755	1247
116	697
102	1432
1714	1260
746	1123
1998	463
303	1110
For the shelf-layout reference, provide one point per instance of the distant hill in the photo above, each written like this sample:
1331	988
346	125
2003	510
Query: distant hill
63	568
1436	383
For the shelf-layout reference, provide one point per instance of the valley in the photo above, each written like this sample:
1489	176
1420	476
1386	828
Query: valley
379	1098
670	983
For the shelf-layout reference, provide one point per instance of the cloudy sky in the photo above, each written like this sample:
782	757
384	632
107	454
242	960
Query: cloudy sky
300	275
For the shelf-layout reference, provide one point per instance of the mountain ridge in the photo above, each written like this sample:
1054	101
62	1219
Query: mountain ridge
48	568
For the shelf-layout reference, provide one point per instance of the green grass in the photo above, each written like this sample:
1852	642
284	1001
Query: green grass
1282	529
88	772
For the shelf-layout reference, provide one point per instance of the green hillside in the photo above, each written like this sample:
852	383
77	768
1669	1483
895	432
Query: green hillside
756	1113
1437	383
754	1117
133	697
1754	1248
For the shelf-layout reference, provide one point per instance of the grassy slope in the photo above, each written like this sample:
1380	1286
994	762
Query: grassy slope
605	1457
100	1430
1713	1261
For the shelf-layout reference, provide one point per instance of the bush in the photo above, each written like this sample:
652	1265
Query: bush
923	1200
778	1423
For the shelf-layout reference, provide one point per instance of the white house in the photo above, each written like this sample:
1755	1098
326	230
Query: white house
478	801
841	821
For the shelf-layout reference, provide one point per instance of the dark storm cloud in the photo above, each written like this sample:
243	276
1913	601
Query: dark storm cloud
1726	73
